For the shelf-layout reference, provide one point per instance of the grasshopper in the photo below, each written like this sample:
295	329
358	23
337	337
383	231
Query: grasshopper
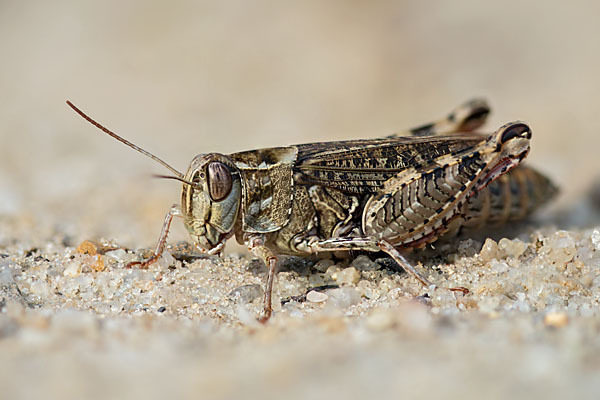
389	194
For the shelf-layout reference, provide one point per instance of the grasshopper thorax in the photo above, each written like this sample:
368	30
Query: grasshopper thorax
210	200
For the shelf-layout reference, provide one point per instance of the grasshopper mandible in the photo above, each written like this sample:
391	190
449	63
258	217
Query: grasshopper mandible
389	194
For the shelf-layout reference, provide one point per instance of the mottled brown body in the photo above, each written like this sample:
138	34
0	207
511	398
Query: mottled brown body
369	195
327	212
327	206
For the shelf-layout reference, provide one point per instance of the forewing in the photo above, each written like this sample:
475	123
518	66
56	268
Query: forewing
362	166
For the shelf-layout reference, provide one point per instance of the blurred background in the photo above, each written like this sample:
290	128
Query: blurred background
186	77
180	78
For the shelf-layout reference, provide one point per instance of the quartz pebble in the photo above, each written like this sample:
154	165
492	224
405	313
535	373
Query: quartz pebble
323	265
72	269
118	255
39	288
595	237
166	260
246	293
364	263
560	247
343	297
316	297
498	266
511	248
348	275
489	251
6	277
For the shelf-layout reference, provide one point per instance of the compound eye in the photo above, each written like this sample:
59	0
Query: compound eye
219	181
515	130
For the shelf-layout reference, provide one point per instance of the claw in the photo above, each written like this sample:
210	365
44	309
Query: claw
142	264
266	315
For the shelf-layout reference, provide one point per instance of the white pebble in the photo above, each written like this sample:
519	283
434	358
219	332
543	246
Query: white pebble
293	310
498	266
119	255
39	288
511	248
166	260
246	293
489	251
562	239
72	269
316	297
596	239
347	276
6	277
344	297
364	263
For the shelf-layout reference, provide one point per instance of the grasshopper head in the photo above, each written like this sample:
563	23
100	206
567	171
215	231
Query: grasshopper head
210	204
211	195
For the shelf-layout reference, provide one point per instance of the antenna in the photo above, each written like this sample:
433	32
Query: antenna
177	179
124	141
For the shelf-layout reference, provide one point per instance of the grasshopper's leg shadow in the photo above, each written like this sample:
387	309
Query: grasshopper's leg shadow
371	245
465	118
